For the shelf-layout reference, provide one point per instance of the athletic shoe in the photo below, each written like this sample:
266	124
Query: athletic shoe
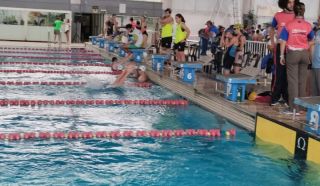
274	103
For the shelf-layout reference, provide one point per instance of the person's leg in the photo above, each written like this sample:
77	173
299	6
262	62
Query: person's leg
292	61
303	71
317	81
204	46
279	75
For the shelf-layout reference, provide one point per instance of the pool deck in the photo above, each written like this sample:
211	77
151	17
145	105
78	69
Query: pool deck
203	93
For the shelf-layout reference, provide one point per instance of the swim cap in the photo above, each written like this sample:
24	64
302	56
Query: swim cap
142	68
120	67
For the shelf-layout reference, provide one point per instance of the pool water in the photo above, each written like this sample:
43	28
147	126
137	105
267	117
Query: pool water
143	161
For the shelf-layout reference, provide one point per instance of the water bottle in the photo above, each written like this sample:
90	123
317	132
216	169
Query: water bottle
239	94
158	67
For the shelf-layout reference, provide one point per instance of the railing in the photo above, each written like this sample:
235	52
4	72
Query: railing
256	47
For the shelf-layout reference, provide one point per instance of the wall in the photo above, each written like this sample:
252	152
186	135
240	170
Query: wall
198	12
37	4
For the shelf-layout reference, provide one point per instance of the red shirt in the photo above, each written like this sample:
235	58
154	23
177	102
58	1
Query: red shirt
281	19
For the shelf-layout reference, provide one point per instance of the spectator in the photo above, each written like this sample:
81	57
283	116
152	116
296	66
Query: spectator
296	36
67	30
57	29
133	23
315	79
166	32
257	36
280	83
182	34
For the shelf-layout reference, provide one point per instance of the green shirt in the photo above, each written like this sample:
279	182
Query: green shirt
57	25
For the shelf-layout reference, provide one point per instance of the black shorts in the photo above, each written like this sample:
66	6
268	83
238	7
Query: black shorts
180	46
166	42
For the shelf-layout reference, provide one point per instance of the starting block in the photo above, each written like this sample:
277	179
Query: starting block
235	85
188	71
158	62
313	119
137	54
101	42
94	39
122	53
112	46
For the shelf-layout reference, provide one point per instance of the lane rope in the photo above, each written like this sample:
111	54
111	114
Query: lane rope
74	135
52	58
60	72
64	83
78	102
47	49
49	53
55	64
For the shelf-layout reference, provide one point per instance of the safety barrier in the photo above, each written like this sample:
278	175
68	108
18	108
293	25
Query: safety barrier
92	102
60	72
256	47
73	135
49	53
62	83
45	49
53	58
55	64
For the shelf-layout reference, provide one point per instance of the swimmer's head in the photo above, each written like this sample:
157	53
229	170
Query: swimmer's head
142	68
114	59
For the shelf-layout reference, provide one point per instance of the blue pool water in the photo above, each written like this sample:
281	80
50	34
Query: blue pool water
144	161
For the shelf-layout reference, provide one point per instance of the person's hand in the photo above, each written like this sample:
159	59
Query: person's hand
282	60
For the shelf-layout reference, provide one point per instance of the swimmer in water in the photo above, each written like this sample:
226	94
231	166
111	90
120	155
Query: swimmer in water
132	68
120	64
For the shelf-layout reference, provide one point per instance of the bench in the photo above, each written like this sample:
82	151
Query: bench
235	85
312	104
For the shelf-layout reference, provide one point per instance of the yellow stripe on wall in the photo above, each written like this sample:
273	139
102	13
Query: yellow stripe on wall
313	151
272	132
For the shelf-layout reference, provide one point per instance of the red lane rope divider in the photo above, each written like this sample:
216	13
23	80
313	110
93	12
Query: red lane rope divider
73	135
53	58
54	64
5	102
63	83
46	49
60	72
49	53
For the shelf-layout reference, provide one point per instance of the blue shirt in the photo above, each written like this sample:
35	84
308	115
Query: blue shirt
214	30
316	53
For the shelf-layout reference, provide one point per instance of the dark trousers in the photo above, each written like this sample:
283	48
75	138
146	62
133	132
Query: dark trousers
204	46
279	79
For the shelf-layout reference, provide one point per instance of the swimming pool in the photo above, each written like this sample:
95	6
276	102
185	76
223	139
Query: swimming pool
139	161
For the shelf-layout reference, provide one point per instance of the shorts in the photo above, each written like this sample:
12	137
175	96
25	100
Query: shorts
180	46
166	42
56	32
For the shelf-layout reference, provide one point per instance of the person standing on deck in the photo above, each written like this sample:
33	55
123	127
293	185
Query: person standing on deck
297	37
279	85
166	31
182	34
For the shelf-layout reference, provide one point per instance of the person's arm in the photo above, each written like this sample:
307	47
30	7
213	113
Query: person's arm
272	33
284	36
167	20
184	26
222	40
311	37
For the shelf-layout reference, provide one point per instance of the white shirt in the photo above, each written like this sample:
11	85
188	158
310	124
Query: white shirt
138	35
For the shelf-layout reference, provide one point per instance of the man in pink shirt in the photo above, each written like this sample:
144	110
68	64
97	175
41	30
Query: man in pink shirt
297	37
279	85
